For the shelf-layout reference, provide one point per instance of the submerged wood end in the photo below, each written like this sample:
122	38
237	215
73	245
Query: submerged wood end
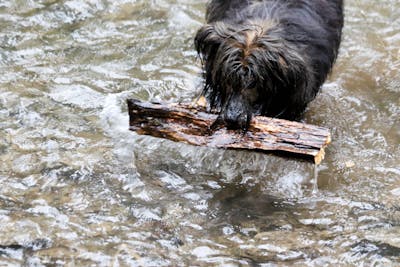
193	125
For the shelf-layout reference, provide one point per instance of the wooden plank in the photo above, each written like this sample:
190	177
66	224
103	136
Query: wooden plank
193	125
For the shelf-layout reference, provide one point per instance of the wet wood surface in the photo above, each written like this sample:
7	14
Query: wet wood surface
193	125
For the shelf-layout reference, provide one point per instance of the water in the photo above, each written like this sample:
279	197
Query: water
79	189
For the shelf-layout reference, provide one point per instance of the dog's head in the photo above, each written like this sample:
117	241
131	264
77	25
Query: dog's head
249	70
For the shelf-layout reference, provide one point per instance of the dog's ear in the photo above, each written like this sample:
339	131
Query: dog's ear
205	39
210	37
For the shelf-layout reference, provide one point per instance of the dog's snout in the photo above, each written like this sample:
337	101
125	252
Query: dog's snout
236	114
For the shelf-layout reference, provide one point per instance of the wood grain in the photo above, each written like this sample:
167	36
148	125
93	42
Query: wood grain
193	125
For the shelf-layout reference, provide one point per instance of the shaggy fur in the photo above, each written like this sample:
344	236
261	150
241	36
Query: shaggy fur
267	57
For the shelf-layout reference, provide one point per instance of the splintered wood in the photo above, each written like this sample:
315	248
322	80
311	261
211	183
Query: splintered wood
193	125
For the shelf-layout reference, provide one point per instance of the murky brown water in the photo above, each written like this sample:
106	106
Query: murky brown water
79	189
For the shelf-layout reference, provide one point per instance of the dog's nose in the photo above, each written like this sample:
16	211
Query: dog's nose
236	115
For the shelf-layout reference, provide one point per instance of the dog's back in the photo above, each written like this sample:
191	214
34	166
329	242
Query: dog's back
267	57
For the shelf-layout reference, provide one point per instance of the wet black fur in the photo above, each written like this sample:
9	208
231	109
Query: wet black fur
267	57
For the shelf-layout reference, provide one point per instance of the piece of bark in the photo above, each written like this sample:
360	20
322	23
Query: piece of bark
193	125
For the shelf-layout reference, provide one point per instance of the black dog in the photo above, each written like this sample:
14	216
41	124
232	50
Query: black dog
267	57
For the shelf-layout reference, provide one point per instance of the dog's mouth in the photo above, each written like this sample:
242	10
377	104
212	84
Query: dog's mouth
235	113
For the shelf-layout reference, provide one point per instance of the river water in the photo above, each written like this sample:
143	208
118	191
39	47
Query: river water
79	189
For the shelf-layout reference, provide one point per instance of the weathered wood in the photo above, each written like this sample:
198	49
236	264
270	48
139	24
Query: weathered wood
192	125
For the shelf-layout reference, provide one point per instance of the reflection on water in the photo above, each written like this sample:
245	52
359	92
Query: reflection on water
78	188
